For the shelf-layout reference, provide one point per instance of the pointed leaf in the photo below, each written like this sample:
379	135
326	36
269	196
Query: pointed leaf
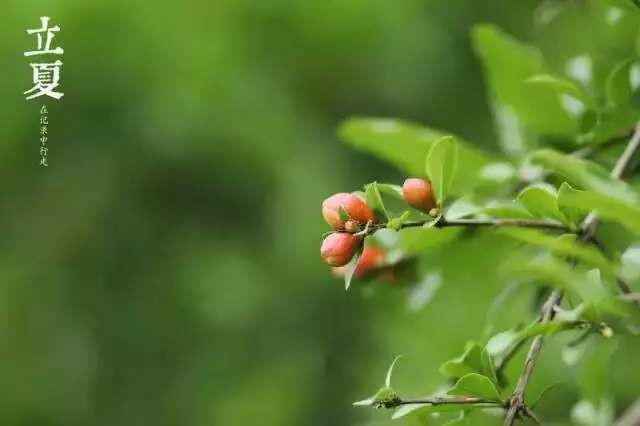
474	384
351	267
387	380
561	85
392	190
622	82
541	201
624	211
374	201
423	409
582	173
405	145
508	64
442	163
383	394
469	362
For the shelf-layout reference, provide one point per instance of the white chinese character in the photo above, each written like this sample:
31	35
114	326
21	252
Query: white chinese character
46	46
46	78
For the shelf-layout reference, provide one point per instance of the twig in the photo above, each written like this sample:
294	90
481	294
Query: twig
631	417
631	297
623	162
437	400
528	412
589	225
516	402
474	223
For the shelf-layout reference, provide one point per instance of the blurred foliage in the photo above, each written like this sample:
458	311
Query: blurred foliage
164	270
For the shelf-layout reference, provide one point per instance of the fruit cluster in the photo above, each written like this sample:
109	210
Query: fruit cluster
348	215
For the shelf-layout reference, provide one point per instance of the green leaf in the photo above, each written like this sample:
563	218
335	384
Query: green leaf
582	173
563	246
498	172
415	240
406	409
508	65
488	366
622	83
630	263
423	409
405	145
458	421
561	85
541	201
374	200
462	207
624	211
392	190
442	163
474	384
542	270
508	209
469	362
500	342
587	286
397	222
383	394
611	123
387	379
351	267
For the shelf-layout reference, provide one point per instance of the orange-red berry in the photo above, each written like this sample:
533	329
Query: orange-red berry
418	194
371	258
338	248
352	205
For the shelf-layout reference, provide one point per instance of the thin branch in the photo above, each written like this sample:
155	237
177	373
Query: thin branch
516	403
623	162
631	297
518	223
528	412
474	223
589	225
631	417
437	400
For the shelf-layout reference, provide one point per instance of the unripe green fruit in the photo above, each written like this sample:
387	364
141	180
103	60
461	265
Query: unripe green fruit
418	194
338	248
352	205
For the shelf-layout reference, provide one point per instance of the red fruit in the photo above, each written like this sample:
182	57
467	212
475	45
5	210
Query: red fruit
353	206
371	258
338	248
418	194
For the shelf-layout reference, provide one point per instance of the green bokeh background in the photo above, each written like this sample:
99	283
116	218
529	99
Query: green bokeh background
164	269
